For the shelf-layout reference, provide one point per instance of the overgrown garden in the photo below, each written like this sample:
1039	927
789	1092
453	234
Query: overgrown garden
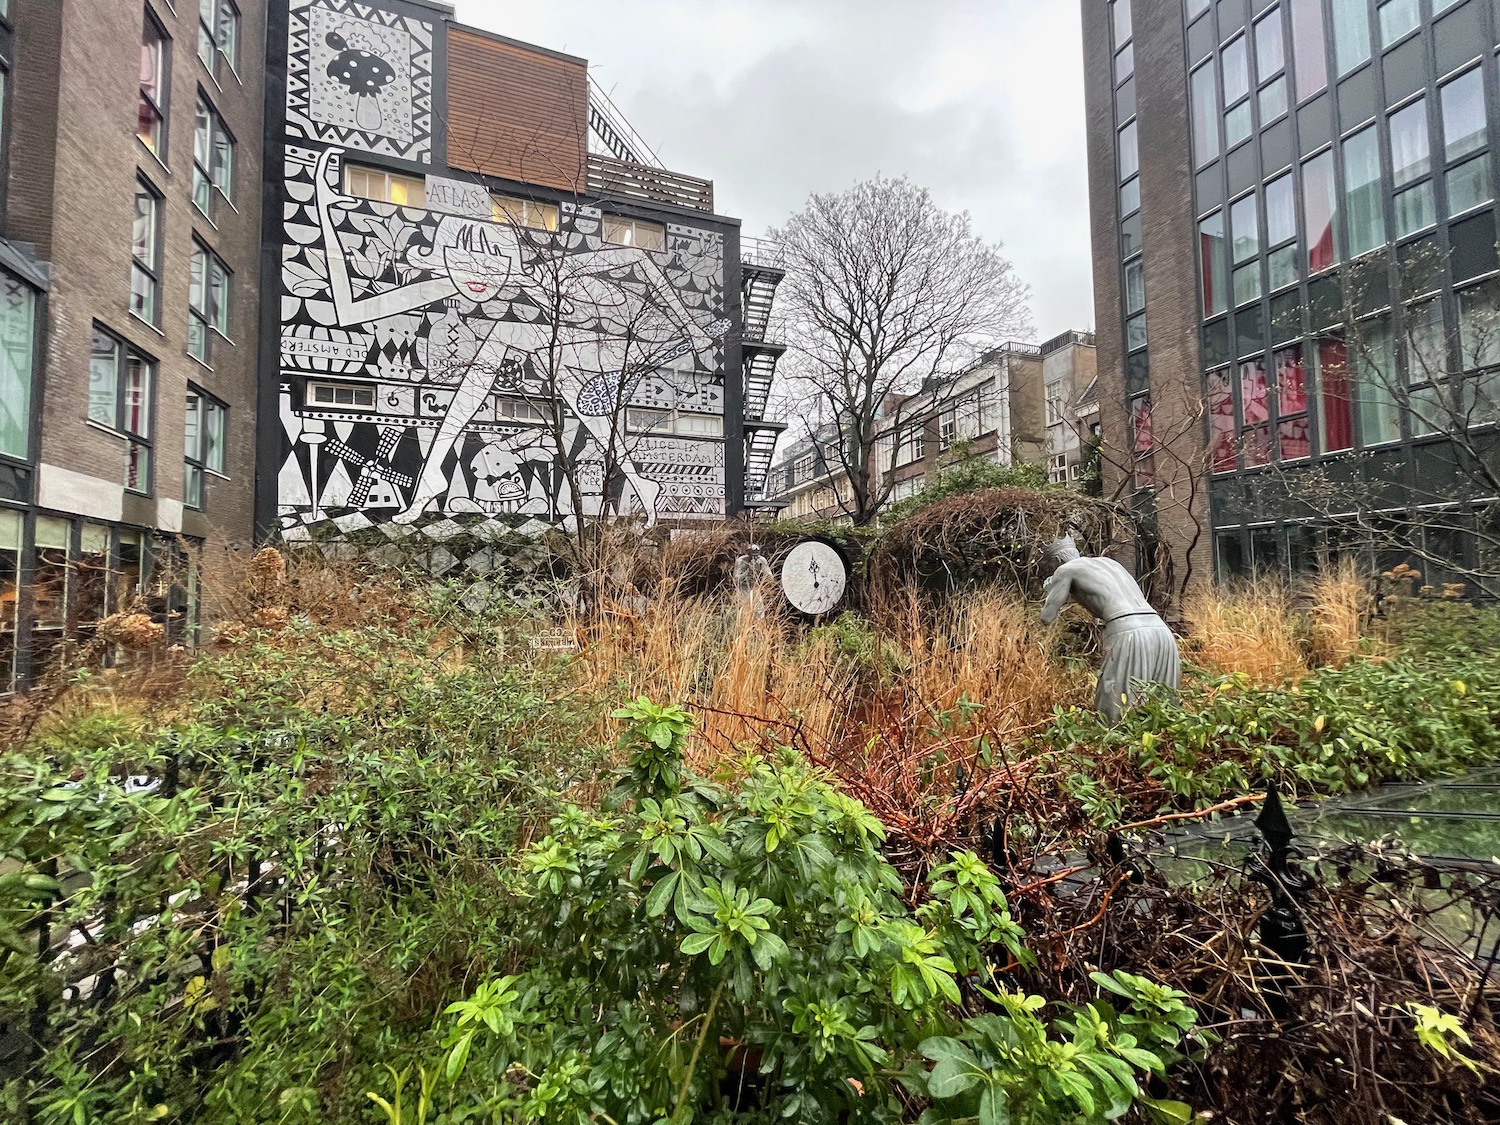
389	852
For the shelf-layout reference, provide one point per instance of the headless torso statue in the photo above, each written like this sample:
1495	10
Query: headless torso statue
1138	646
752	574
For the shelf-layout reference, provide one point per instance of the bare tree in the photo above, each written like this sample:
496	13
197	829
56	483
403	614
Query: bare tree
886	295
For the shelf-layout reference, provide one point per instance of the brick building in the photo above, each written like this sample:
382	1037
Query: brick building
1295	276
129	252
1019	403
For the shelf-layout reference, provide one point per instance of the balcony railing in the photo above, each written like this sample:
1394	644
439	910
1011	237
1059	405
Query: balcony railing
620	179
762	252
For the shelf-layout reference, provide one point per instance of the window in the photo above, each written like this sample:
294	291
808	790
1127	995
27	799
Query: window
1244	225
1375	383
355	396
208	301
1293	440
218	35
145	268
1270	63
947	428
909	444
1205	96
1211	264
151	114
120	388
1130	197
1411	160
1351	34
1135	286
1309	56
1426	365
1142	441
1236	63
1221	423
213	159
519	410
1465	132
384	187
1057	468
17	361
1479	327
523	212
1335	427
681	423
1320	199
1281	232
1124	51
1196	8
1362	198
1255	413
1130	158
203	443
1397	17
635	232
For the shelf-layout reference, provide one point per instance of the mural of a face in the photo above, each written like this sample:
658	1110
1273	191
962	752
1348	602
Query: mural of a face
480	259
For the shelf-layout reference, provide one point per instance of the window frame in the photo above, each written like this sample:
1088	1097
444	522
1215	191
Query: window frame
28	414
1264	82
213	36
136	440
152	269
314	385
160	107
501	213
674	418
388	178
195	314
196	466
1479	155
217	128
636	227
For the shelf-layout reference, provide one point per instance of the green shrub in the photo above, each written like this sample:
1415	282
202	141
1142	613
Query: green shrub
305	886
744	953
1339	729
1425	626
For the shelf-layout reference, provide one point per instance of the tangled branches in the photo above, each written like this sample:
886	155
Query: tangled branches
996	534
1332	1040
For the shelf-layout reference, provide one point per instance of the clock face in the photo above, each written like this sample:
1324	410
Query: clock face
814	578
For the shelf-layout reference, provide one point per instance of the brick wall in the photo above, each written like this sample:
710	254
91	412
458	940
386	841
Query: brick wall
1168	233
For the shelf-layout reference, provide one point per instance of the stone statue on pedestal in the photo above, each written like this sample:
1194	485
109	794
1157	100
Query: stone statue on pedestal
1138	646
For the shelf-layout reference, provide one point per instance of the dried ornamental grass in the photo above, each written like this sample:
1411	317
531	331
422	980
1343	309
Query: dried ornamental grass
1339	610
1251	631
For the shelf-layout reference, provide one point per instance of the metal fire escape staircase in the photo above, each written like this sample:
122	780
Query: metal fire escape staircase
762	268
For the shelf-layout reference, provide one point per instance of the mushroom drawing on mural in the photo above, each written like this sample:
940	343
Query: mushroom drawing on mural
364	74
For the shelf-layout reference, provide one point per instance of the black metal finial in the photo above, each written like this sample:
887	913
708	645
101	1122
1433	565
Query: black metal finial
1273	823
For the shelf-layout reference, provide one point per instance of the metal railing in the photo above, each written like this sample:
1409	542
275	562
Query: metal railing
621	179
763	252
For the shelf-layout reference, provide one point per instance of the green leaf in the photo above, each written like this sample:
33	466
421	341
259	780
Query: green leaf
1168	1113
767	950
459	1055
696	943
951	1077
661	895
992	1107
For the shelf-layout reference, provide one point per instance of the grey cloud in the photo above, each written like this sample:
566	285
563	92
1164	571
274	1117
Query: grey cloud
774	99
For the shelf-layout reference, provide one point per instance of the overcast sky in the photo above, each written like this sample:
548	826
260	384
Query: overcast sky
979	100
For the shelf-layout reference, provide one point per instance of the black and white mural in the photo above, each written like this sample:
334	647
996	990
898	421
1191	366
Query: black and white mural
361	78
424	354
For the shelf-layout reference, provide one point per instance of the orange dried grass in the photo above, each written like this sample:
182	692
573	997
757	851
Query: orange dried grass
1252	631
